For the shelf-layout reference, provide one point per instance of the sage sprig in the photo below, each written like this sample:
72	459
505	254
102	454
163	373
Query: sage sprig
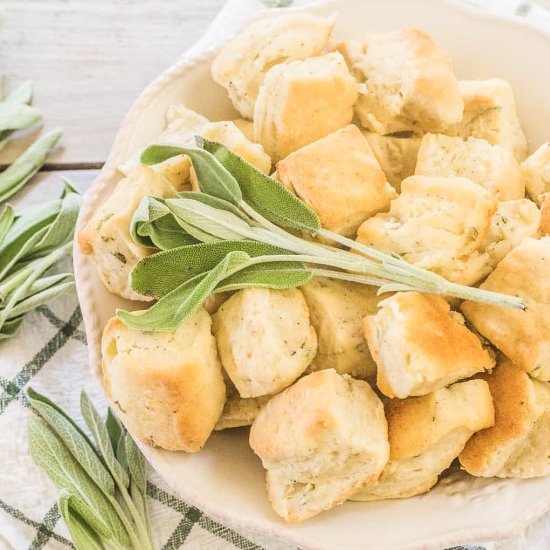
235	234
17	174
31	242
103	490
19	98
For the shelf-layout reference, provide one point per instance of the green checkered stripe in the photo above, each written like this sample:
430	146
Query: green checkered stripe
57	364
55	345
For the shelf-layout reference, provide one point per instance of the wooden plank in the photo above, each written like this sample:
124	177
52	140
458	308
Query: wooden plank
89	61
48	185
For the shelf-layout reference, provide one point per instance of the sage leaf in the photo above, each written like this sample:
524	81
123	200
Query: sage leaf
166	233
218	223
40	298
264	194
42	265
101	436
83	536
17	116
10	327
60	231
214	202
77	445
28	223
34	396
154	226
195	232
83	510
13	178
13	254
53	457
114	428
148	211
139	498
179	304
213	178
121	453
6	221
182	264
22	94
266	276
136	463
47	282
39	230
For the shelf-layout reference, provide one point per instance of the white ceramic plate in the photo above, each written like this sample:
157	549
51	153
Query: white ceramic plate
226	480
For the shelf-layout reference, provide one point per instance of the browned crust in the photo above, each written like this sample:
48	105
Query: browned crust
516	408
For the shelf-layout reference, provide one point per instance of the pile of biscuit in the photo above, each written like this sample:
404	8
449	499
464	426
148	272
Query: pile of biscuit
351	395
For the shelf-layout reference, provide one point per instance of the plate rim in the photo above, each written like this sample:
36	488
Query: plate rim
193	56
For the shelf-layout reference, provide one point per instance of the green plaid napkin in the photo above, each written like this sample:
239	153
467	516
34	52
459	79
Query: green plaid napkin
50	353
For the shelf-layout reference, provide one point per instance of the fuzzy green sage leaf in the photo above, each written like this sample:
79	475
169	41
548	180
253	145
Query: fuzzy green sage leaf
83	536
17	174
213	178
271	275
53	457
182	264
264	194
179	304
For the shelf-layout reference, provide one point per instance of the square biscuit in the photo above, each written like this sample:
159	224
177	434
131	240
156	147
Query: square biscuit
167	385
523	336
491	166
395	154
406	82
320	441
490	113
536	171
517	445
419	345
435	223
242	63
337	309
265	339
303	101
339	177
426	434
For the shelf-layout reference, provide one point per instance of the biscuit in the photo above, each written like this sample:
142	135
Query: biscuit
320	441
339	177
490	113
337	309
301	102
426	434
239	411
523	336
419	345
491	166
396	155
406	82
436	223
265	339
167	386
518	444
536	171
242	63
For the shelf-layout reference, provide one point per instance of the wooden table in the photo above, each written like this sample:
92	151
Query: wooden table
89	59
